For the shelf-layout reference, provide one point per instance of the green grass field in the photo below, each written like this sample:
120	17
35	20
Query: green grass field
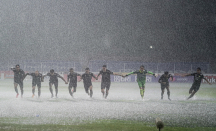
103	125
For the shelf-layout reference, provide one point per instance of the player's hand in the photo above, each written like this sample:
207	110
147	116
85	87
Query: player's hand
210	83
66	83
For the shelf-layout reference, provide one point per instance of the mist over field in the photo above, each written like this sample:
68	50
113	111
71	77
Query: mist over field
163	35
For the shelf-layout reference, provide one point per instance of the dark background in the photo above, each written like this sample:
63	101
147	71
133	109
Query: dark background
70	30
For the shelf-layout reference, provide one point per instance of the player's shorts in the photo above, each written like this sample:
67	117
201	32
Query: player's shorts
72	85
141	83
87	85
54	83
163	86
105	85
194	88
36	84
19	82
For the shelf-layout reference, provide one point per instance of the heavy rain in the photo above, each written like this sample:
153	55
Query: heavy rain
128	46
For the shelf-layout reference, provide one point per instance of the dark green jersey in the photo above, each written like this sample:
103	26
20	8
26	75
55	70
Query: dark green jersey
165	78
141	75
19	75
36	78
197	78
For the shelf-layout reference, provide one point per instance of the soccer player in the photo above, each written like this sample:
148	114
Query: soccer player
87	76
106	82
72	77
36	81
54	80
19	76
164	80
198	76
141	78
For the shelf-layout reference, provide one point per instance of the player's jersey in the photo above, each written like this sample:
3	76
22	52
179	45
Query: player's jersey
36	78
164	78
105	75
54	77
73	77
197	78
87	77
141	75
18	75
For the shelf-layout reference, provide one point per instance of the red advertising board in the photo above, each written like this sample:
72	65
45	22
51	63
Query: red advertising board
210	78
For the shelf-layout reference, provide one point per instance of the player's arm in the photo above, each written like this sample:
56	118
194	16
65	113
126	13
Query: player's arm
26	75
41	77
44	76
187	75
23	74
113	73
81	77
207	81
94	76
129	74
68	78
13	69
117	74
98	74
151	73
160	80
62	78
171	77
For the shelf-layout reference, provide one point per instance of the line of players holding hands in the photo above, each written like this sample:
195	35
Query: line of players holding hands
37	78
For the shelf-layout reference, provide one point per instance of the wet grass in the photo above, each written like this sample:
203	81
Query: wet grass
102	125
203	92
125	124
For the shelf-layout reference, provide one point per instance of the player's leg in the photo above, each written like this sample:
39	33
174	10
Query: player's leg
86	87
56	88
39	89
16	90
140	87
51	90
107	88
191	89
143	87
168	92
195	89
21	88
70	89
33	91
162	91
192	94
91	90
102	88
74	87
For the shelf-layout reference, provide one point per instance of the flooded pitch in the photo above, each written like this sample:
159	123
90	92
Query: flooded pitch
123	103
